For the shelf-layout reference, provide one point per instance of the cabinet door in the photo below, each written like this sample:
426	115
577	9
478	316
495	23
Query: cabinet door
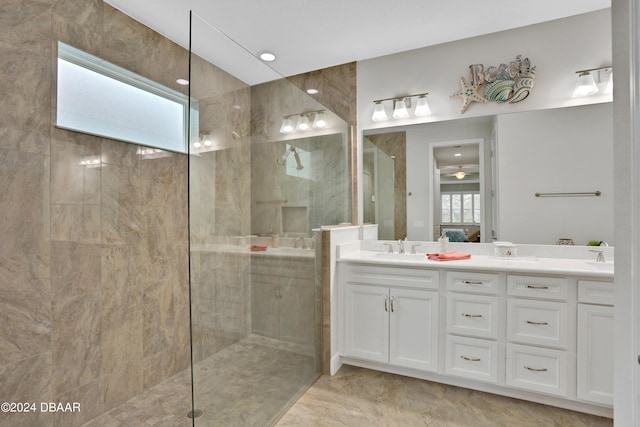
264	308
297	312
413	329
367	322
595	353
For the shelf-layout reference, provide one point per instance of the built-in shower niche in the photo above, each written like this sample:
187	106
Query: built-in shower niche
295	221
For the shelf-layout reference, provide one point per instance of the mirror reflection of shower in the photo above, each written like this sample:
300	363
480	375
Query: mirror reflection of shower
282	161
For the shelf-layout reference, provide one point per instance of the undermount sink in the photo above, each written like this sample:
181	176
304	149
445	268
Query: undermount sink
606	266
408	257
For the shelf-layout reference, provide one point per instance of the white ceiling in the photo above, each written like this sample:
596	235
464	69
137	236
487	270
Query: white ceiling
307	35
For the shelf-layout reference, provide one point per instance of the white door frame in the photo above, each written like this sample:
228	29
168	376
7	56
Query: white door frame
626	62
483	196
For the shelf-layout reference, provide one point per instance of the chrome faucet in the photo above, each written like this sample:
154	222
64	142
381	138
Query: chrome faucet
400	246
600	256
303	244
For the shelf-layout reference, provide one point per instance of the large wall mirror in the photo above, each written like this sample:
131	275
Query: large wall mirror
528	177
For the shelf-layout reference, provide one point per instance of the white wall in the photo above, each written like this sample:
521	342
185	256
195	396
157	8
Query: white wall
555	48
575	154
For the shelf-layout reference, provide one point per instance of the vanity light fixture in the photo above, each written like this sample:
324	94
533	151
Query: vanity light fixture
319	121
304	122
422	106
401	107
379	114
204	140
586	84
287	125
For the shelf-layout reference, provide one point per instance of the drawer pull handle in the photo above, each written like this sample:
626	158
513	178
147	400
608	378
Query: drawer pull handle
471	315
537	323
536	369
537	287
472	282
470	359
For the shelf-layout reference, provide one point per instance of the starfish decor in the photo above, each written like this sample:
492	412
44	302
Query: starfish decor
468	94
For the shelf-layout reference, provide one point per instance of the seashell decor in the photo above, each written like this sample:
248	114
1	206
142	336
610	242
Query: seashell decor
503	83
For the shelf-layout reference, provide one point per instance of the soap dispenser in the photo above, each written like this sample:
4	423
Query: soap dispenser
443	243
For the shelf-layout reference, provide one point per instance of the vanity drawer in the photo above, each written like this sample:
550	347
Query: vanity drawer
392	276
475	315
538	369
481	283
472	358
537	322
538	287
592	292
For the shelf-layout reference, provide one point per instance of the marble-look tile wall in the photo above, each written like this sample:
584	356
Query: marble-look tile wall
322	190
288	202
331	198
93	260
337	90
220	212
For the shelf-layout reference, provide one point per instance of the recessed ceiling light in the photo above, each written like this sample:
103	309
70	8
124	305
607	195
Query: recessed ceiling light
267	56
182	82
312	91
457	154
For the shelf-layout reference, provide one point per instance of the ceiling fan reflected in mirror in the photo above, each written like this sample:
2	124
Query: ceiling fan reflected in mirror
461	173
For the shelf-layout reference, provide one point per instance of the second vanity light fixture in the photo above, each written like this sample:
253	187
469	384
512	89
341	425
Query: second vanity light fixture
586	84
401	106
303	121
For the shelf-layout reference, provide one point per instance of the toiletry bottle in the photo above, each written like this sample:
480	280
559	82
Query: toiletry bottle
443	243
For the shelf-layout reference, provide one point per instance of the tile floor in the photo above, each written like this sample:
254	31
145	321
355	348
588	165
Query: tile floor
246	384
361	397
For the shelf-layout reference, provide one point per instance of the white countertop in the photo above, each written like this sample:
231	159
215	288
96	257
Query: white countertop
529	263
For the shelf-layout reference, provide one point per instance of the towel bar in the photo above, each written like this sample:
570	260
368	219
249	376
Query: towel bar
592	193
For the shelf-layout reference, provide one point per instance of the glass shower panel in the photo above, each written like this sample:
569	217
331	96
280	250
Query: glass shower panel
255	218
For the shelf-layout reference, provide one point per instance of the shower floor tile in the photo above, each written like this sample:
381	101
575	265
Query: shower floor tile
246	384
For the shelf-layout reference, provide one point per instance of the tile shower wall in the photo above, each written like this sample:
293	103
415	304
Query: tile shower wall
394	144
93	261
320	194
220	212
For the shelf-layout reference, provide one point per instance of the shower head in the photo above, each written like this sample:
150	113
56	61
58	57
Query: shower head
235	135
299	165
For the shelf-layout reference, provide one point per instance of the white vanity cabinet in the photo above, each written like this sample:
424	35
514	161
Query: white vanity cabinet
595	342
391	316
472	325
538	331
531	330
